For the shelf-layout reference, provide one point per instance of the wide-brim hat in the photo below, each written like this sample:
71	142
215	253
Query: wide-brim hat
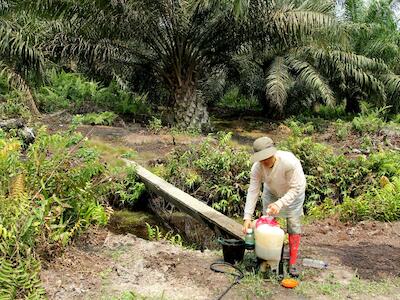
263	149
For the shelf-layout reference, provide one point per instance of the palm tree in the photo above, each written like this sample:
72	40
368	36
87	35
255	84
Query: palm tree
168	42
306	46
374	32
20	53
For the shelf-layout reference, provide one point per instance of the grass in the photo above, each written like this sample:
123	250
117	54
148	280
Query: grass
112	153
254	285
355	288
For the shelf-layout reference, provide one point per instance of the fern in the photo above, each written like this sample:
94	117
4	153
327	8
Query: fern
18	187
20	279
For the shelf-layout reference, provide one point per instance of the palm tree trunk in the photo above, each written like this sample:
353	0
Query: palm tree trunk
190	110
31	104
353	100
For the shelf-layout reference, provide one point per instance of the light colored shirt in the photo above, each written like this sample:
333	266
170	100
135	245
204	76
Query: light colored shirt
285	181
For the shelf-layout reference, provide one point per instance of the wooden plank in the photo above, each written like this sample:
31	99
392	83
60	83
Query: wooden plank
187	203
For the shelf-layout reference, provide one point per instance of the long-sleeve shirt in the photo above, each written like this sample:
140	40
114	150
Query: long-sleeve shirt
284	181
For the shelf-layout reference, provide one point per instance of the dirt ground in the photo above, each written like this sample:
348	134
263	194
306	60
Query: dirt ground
105	265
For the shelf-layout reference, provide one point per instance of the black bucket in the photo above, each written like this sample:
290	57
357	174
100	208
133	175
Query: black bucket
232	249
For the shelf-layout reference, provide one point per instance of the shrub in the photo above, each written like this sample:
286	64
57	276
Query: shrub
342	129
381	204
76	93
122	102
214	171
330	175
233	99
155	125
329	112
337	184
13	106
66	91
104	118
299	128
369	120
49	193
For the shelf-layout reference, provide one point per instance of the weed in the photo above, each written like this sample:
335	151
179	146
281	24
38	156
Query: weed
50	192
361	289
234	100
155	125
74	92
13	106
298	128
342	129
154	234
329	112
214	171
369	120
128	190
104	118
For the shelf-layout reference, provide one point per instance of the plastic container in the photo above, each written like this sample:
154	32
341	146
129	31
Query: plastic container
232	249
314	263
249	241
269	241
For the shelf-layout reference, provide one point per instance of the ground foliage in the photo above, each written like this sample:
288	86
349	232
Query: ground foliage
77	94
356	188
214	171
50	191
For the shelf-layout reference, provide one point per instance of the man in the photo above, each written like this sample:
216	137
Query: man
284	187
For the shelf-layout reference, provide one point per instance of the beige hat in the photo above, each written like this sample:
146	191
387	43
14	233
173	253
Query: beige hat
263	148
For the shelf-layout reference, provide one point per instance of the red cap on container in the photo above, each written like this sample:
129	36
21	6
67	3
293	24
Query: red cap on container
266	220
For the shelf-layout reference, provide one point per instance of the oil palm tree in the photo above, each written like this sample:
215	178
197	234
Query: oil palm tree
311	50
374	32
180	43
168	42
20	52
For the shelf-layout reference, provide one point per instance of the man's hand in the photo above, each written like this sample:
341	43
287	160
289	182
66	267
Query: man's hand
246	224
273	209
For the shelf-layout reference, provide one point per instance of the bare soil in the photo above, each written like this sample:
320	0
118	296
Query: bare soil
370	248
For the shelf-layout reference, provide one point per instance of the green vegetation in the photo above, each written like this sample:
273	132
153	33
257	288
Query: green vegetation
323	68
350	187
155	234
234	100
331	287
50	192
75	93
214	171
217	173
104	118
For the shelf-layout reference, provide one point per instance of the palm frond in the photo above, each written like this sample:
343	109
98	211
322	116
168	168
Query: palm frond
289	22
311	78
277	82
392	83
321	6
18	82
14	45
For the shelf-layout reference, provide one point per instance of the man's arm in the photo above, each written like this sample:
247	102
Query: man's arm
253	191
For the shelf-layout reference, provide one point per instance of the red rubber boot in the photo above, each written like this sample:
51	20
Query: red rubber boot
294	242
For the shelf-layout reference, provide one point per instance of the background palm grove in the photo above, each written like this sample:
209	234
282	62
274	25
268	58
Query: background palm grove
185	67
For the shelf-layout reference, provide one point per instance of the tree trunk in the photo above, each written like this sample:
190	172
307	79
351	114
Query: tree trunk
31	104
353	103
190	109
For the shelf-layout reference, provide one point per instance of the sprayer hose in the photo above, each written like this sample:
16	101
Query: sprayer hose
239	274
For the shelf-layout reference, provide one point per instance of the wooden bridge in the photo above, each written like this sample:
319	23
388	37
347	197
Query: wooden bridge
220	223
